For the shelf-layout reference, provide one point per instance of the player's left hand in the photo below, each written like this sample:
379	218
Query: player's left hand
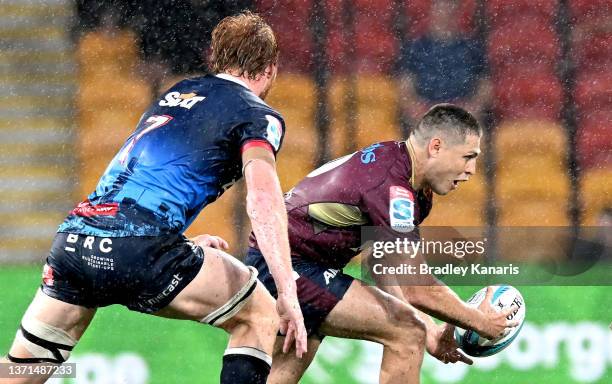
211	241
443	346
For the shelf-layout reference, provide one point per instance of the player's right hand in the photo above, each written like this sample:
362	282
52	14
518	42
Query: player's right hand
211	241
291	322
495	323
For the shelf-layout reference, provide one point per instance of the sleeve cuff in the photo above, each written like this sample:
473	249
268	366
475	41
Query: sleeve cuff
256	144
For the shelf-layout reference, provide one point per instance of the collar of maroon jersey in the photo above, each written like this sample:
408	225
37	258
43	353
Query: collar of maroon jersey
412	157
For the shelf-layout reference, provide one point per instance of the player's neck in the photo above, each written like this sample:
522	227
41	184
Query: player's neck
416	156
254	85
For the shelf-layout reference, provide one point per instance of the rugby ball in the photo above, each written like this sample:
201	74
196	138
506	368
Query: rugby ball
503	297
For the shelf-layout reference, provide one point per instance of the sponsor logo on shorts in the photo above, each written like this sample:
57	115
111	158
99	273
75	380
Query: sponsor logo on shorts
176	279
177	99
274	131
330	274
47	275
401	209
99	262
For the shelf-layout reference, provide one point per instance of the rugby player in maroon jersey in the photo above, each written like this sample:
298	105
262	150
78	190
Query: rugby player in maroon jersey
388	185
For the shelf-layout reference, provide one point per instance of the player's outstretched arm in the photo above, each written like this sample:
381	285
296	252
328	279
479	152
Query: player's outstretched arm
266	210
443	303
433	297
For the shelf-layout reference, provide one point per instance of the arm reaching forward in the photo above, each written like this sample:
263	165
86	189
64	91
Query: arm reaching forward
266	210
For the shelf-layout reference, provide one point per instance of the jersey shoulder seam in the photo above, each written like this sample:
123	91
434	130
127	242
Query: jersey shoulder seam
384	178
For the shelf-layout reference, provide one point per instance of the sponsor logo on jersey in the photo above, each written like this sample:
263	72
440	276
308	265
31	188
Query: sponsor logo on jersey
177	99
85	209
274	132
401	209
367	155
47	275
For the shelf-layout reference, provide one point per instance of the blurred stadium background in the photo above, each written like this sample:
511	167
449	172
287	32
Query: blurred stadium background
77	75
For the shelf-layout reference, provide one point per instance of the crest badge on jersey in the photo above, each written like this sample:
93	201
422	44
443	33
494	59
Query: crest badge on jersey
401	209
274	132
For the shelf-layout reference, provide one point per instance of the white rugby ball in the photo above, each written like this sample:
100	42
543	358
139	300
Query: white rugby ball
503	297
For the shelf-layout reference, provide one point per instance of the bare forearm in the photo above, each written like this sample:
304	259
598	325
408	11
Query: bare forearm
269	223
266	210
441	302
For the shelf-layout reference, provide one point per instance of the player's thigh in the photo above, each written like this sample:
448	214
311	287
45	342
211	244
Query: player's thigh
368	313
220	278
288	368
70	318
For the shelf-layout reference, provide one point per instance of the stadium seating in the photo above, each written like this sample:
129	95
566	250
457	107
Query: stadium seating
376	106
100	55
583	11
592	53
37	180
593	87
109	101
523	50
526	95
374	46
504	11
594	140
528	138
532	183
291	20
523	43
595	193
593	91
294	96
417	16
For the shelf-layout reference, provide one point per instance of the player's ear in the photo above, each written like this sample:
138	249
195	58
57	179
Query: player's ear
434	146
270	71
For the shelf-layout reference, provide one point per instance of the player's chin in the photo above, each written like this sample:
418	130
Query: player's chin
442	189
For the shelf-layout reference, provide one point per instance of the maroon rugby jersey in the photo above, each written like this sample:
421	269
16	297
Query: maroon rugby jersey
370	187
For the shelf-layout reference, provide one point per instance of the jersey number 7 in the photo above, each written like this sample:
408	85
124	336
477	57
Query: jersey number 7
153	122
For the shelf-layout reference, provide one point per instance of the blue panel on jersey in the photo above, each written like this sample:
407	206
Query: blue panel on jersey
184	154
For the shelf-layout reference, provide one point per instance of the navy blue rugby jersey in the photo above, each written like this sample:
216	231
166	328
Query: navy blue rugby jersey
185	152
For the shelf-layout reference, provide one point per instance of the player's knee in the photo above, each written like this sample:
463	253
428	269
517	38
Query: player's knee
263	313
43	342
233	310
256	311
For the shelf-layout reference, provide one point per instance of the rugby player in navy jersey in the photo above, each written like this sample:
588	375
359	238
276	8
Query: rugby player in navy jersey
124	244
388	185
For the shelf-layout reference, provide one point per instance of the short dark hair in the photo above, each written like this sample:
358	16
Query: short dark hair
244	43
447	118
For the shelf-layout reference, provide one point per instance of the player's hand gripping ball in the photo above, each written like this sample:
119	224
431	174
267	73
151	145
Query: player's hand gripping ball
504	296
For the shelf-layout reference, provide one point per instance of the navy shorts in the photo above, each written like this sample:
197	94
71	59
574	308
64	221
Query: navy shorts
319	287
143	273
